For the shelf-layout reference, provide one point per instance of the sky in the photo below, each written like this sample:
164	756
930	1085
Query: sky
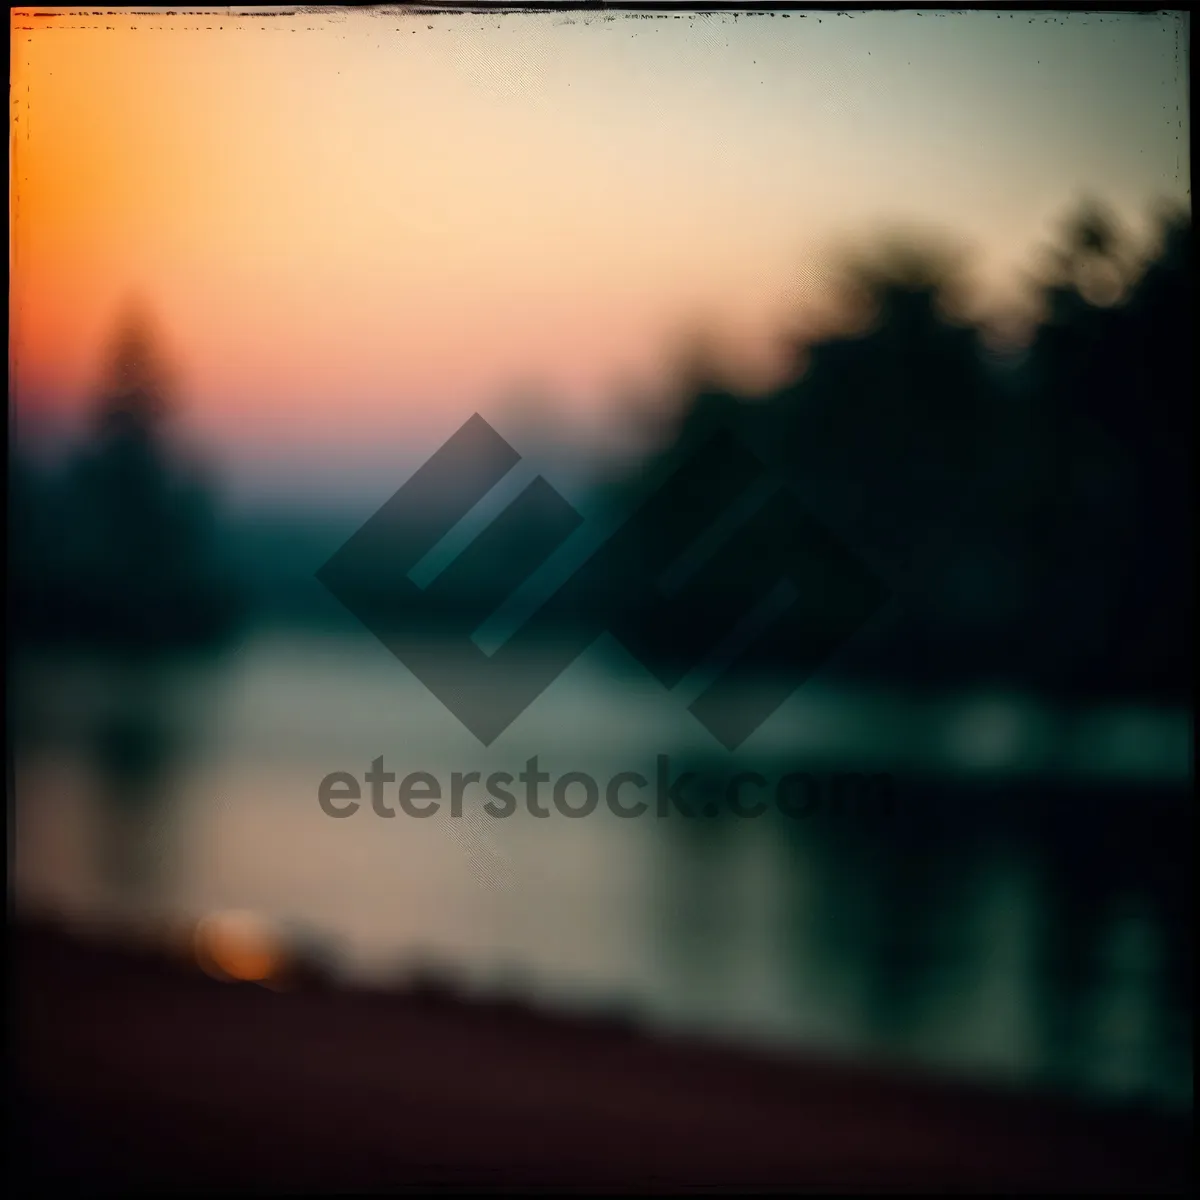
356	228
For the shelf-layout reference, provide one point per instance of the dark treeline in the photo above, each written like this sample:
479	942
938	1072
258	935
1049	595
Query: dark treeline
1029	517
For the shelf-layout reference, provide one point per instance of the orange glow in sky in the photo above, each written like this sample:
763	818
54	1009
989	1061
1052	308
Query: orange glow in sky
348	222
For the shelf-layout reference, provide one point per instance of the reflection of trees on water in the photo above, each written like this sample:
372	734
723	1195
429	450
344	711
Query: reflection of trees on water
1096	853
892	909
882	908
695	912
136	748
985	908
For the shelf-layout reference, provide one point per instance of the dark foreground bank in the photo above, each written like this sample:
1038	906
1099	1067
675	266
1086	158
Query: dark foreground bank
135	1071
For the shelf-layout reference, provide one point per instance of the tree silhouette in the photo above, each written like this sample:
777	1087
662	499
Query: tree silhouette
1053	496
1109	390
138	386
878	429
139	524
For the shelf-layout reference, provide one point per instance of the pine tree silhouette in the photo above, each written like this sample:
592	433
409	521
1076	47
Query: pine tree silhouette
143	562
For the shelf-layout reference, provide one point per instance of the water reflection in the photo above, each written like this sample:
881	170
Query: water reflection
136	749
1115	884
1030	930
999	924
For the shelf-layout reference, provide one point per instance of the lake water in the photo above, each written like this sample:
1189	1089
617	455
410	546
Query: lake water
1024	913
